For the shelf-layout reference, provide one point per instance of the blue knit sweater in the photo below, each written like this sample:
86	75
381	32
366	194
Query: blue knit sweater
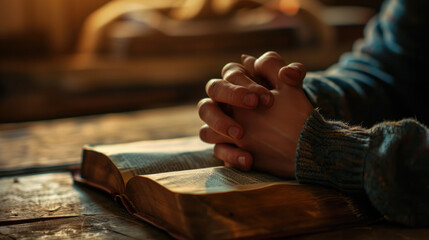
365	146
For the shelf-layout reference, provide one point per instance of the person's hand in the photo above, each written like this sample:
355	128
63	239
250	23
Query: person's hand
270	135
241	87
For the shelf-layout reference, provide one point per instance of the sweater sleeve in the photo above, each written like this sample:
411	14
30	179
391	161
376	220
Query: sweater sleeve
382	77
388	162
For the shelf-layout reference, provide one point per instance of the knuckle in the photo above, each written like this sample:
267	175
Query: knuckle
269	58
257	88
219	124
233	75
224	154
269	61
229	66
237	95
231	157
273	54
217	150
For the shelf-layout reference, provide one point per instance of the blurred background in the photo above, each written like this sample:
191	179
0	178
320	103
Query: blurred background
63	58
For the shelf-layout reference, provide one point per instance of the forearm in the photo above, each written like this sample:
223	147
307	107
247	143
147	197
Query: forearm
389	162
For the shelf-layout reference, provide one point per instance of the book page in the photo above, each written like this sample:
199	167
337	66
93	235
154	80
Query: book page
148	157
215	179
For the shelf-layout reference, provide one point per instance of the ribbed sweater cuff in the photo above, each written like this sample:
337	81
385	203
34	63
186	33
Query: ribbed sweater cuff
331	153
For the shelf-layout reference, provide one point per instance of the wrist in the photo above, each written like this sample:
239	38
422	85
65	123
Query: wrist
331	153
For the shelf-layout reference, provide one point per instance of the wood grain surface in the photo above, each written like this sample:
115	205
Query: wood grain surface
35	146
48	205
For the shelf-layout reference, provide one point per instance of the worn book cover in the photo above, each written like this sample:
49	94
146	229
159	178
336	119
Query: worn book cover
179	186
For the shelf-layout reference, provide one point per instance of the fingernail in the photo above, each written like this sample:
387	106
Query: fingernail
234	132
242	161
294	71
244	57
250	100
266	99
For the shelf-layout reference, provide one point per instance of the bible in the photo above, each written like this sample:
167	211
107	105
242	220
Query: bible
179	186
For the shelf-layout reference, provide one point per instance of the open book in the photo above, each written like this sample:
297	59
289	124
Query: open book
179	186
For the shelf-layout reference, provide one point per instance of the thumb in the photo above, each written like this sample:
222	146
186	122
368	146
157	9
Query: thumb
292	75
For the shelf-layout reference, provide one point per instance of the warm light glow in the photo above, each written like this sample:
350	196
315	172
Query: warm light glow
289	7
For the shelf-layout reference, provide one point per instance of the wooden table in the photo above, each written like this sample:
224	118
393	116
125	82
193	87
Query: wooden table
38	198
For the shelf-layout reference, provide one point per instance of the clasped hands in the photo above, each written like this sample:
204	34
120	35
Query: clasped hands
255	114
